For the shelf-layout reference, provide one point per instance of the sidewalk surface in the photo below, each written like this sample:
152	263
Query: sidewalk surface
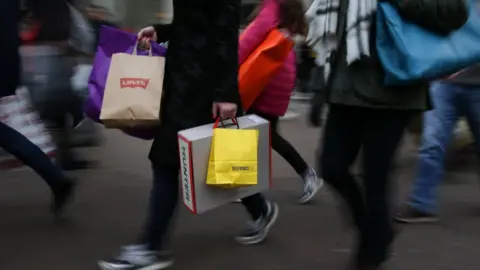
110	206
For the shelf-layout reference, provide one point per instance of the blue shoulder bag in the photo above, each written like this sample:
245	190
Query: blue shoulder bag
410	53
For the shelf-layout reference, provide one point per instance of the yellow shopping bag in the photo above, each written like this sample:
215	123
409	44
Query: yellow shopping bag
233	157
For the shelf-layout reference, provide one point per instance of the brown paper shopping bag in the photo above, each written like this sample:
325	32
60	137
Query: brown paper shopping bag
133	91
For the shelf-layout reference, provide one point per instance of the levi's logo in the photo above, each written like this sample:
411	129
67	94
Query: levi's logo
134	83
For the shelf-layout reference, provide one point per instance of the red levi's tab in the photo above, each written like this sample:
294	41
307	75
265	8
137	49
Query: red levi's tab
134	83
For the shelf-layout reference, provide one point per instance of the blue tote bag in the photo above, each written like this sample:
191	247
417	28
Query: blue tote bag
410	53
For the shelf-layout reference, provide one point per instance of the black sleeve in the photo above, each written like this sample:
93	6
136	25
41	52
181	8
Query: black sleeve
227	25
163	32
440	16
10	75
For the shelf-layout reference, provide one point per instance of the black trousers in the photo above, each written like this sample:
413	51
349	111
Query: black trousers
378	133
164	200
283	147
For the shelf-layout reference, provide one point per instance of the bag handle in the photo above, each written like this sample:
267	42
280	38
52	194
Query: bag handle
220	121
136	47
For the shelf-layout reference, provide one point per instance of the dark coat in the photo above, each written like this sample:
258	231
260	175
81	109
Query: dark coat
201	68
10	73
361	83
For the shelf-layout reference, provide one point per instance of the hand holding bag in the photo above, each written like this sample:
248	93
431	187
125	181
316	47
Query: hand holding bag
113	41
133	91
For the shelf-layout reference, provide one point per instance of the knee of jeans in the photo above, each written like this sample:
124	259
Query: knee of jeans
433	145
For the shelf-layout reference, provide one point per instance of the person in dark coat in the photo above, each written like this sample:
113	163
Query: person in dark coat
363	114
10	139
201	83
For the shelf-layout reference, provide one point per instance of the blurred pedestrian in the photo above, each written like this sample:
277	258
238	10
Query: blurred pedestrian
272	103
363	114
452	98
201	82
11	140
47	70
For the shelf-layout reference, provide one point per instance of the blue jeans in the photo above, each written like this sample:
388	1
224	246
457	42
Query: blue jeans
450	102
27	152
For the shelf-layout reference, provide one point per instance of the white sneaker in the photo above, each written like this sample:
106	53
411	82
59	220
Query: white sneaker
312	184
137	258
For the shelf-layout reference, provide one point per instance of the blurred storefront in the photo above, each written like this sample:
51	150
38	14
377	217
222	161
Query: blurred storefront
134	14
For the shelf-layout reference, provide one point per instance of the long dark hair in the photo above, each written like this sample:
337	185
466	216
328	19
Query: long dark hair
292	16
53	17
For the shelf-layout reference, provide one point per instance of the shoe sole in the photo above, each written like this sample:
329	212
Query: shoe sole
156	266
416	220
260	239
308	198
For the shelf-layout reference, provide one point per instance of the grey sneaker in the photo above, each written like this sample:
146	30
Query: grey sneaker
312	184
137	257
258	230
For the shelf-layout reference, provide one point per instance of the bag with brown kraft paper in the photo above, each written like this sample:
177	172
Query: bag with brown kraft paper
133	91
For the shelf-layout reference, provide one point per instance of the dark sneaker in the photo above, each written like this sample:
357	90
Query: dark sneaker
77	164
312	184
258	230
62	195
137	258
367	267
408	214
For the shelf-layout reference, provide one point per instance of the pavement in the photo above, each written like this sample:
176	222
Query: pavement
111	202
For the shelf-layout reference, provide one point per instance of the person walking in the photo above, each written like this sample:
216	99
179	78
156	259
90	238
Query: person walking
452	98
200	82
272	103
363	114
12	141
47	71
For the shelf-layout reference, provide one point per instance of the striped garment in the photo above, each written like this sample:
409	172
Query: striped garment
323	17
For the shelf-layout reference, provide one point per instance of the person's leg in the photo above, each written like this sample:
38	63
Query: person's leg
286	150
162	205
27	152
381	137
437	133
55	102
311	182
255	205
60	127
471	99
264	215
341	144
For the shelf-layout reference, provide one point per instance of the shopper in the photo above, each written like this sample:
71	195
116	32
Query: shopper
363	114
272	103
11	140
201	83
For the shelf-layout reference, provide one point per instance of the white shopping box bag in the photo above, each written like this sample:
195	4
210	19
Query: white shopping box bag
194	145
17	112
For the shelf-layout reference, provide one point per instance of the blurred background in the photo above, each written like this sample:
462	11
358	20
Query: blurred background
136	14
